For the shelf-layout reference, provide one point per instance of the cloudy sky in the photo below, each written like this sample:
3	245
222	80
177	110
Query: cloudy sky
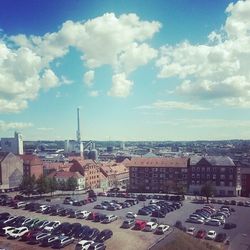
139	69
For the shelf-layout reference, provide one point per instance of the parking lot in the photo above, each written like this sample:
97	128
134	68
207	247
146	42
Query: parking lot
239	236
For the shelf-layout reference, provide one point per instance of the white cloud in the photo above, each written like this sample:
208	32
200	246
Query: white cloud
219	69
88	78
94	93
49	79
65	80
104	40
4	126
172	105
121	87
45	129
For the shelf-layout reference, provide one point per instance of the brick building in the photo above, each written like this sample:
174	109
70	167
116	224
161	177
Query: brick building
116	173
89	169
11	171
221	171
63	176
32	165
245	181
157	174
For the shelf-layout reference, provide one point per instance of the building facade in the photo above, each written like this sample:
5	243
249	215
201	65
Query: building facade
220	171
63	177
158	174
245	181
89	169
11	171
32	165
13	145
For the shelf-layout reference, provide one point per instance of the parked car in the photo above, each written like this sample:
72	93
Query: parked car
97	246
37	237
17	233
100	206
104	235
81	214
191	230
83	244
109	218
131	215
211	235
200	234
213	222
91	234
62	241
5	230
150	226
161	229
49	241
140	225
52	225
128	223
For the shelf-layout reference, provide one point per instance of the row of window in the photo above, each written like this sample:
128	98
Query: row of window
184	176
210	176
167	169
221	183
212	169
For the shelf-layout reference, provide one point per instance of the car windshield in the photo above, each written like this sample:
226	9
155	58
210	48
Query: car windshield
50	224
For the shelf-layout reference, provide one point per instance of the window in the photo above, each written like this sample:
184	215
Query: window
208	169
198	169
203	169
197	175
222	183
193	169
193	182
222	169
214	176
230	177
222	177
197	182
208	176
214	169
230	183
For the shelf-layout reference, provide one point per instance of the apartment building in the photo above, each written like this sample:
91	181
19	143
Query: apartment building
245	181
221	171
89	169
157	174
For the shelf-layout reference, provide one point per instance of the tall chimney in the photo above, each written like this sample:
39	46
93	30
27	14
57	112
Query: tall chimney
78	133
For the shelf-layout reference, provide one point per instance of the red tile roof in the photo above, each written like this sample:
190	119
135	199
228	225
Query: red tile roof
31	159
65	174
158	162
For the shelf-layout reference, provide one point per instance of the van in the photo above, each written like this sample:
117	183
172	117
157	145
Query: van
140	224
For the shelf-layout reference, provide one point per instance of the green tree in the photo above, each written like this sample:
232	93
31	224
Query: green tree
71	184
28	184
53	185
207	190
42	185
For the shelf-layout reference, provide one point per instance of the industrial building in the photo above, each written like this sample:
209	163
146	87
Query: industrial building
13	145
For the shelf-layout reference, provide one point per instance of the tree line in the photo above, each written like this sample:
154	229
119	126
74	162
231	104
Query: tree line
44	185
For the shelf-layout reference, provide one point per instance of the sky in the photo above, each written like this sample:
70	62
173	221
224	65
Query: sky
138	69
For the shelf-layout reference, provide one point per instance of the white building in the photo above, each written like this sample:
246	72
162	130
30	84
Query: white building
13	145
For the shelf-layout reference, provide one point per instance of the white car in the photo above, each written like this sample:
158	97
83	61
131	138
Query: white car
213	222
191	230
18	232
161	229
150	226
81	214
52	225
131	215
211	235
42	208
6	230
83	244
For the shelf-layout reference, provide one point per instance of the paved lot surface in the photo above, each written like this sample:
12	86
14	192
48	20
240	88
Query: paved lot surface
129	239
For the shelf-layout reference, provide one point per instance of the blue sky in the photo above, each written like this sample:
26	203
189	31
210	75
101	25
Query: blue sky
139	70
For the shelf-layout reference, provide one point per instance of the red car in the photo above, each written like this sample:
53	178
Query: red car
27	236
201	234
140	224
